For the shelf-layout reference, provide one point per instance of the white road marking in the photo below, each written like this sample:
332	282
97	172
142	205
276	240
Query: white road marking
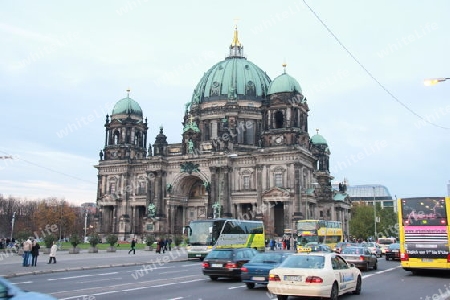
134	289
165	284
105	293
192	280
111	273
236	287
72	277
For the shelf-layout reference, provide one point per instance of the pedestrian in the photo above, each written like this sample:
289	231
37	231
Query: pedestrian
52	256
26	252
133	246
161	246
34	253
272	244
169	242
158	246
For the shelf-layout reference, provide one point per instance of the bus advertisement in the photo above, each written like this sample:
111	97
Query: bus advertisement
319	231
423	233
204	235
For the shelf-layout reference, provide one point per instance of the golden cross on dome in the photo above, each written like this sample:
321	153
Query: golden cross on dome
317	130
128	93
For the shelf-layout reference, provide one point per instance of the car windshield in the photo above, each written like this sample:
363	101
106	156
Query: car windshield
267	258
220	254
353	250
304	262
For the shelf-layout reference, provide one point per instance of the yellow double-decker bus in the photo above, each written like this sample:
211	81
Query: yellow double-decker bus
423	233
320	231
204	235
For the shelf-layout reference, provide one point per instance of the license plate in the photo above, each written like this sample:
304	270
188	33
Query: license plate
427	260
395	251
292	278
256	278
198	255
216	265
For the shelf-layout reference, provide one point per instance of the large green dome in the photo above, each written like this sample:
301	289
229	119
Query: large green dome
127	106
283	84
233	78
317	139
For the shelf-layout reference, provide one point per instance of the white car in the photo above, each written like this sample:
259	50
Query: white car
314	274
11	291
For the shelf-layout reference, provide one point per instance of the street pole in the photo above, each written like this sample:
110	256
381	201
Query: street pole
374	214
12	224
85	225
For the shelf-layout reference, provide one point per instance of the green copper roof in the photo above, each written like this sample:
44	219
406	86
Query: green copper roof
233	78
318	139
340	197
284	83
127	106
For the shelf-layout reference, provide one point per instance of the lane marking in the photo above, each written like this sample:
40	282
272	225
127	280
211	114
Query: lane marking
134	289
165	284
72	277
105	293
194	280
236	287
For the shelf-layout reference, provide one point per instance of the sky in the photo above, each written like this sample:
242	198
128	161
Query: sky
361	66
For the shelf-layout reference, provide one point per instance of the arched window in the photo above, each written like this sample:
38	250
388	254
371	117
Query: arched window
279	119
116	137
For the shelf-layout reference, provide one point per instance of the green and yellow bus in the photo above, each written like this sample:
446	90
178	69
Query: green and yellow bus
423	233
320	231
204	235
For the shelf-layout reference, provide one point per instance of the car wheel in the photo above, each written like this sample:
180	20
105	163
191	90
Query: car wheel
375	266
202	258
213	278
250	285
387	258
334	295
282	297
357	290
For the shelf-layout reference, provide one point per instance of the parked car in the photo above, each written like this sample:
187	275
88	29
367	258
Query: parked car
374	248
226	262
314	274
393	252
256	271
12	291
362	257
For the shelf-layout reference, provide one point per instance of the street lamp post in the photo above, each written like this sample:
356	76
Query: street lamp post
374	214
12	224
434	81
85	224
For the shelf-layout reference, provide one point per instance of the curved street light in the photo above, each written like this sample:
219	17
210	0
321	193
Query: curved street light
434	81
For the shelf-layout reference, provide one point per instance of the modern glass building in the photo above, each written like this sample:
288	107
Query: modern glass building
368	193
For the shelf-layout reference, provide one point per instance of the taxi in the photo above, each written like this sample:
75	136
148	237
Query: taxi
315	274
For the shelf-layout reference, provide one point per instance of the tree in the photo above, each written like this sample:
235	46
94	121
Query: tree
112	239
362	221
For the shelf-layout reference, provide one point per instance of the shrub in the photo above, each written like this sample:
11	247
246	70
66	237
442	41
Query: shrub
177	240
112	239
75	240
94	239
149	240
48	240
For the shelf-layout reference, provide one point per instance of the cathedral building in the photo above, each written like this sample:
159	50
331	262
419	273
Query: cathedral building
245	153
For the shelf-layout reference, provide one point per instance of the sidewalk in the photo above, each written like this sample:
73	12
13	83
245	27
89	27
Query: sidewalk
11	263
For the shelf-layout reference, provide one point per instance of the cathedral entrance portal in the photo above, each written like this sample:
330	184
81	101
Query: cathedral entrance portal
278	212
191	195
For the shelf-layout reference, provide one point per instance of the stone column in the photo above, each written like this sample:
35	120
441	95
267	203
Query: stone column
226	192
212	194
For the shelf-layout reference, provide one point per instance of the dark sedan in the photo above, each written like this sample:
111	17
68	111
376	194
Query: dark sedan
226	262
393	252
361	257
256	271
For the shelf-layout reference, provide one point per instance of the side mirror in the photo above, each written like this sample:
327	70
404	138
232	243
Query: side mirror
352	265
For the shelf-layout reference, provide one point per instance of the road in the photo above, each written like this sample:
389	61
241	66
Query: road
184	280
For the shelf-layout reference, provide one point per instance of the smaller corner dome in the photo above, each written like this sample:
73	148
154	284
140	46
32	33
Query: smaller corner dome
127	106
318	140
284	84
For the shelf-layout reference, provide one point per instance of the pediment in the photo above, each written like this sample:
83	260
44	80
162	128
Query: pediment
276	192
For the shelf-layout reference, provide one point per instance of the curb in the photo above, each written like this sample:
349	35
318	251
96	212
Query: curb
12	275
